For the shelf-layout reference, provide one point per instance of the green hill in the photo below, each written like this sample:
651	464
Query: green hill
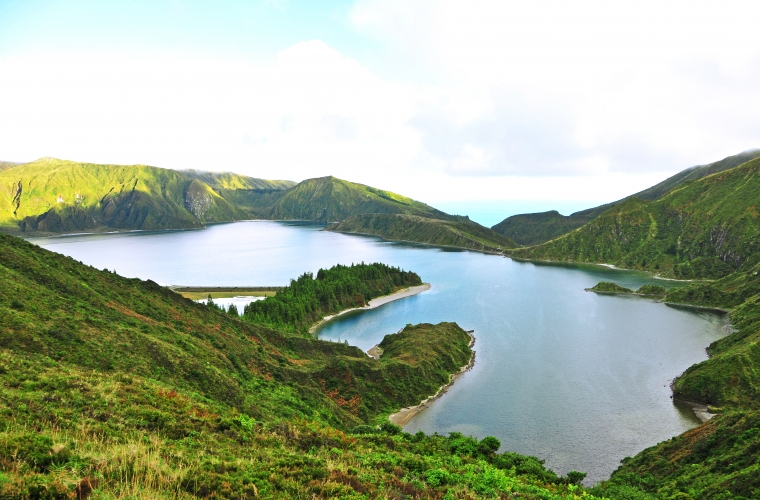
229	181
113	388
249	193
534	229
51	195
460	233
328	199
704	229
5	165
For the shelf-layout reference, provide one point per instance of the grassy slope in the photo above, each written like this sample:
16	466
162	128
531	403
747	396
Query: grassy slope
128	386
717	460
328	199
534	229
95	196
459	233
232	181
249	193
704	229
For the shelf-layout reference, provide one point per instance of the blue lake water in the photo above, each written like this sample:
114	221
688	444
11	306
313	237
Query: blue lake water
575	378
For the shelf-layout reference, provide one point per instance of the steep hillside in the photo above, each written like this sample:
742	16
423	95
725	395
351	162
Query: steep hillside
456	233
328	199
114	387
50	195
534	229
704	229
695	173
229	181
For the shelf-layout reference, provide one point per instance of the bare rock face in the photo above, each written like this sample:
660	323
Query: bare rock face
197	199
16	200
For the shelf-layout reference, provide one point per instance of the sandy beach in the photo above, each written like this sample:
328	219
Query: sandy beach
701	411
377	302
403	416
375	352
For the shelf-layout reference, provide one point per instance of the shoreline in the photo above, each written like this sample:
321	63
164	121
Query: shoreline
694	306
650	296
605	265
493	251
701	411
375	303
404	415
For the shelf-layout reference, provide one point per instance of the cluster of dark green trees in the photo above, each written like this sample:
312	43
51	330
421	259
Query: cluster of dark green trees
307	299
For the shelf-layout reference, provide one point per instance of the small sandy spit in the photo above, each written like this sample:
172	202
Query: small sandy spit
377	302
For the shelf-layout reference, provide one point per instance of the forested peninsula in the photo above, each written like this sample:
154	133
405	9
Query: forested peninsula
308	299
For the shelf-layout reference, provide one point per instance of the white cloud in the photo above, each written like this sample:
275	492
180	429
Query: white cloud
521	100
643	85
313	112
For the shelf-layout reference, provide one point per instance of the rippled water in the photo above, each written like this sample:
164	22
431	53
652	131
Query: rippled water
578	379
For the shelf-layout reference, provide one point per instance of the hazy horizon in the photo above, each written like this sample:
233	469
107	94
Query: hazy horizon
546	104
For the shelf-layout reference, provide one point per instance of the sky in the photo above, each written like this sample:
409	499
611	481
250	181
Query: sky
479	106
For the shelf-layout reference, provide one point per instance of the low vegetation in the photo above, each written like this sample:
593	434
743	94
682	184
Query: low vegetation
648	290
607	287
537	228
118	388
57	196
705	229
461	233
329	199
534	229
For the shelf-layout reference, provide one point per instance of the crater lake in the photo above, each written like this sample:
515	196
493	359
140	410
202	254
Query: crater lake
578	379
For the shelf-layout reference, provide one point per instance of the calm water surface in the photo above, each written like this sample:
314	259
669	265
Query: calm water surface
578	379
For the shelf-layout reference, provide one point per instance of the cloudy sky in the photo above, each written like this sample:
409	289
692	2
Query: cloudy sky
517	105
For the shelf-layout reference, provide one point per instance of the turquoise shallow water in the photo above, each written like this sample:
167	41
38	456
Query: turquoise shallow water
578	379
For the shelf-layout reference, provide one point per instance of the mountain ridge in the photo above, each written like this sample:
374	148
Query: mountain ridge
536	228
413	228
329	199
54	196
705	229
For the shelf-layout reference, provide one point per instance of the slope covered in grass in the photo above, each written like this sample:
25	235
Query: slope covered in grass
328	199
537	228
460	233
51	195
230	181
705	229
120	388
532	229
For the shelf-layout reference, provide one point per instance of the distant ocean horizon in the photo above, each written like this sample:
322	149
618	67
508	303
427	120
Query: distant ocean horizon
491	212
